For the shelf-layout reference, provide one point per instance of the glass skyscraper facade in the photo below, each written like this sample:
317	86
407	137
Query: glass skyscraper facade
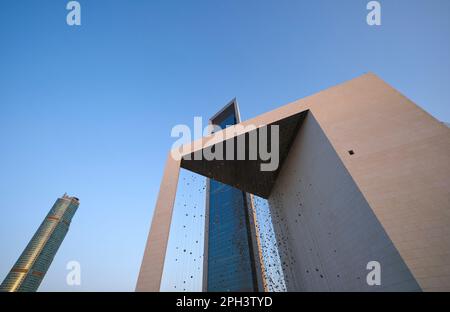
229	255
29	270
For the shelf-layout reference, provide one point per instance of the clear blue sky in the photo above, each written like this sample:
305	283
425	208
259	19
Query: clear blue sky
88	110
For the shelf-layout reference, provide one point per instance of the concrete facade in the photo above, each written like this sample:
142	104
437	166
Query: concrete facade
386	165
326	231
152	266
401	166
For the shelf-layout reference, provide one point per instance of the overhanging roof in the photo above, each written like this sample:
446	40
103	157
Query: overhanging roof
246	175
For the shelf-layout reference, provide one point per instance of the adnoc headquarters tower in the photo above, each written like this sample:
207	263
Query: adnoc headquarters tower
231	260
29	270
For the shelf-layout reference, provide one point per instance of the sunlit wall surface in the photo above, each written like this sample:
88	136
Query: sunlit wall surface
29	270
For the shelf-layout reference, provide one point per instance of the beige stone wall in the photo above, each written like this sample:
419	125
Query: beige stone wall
152	265
401	166
326	230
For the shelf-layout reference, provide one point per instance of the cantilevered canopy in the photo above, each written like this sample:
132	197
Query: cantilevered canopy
246	174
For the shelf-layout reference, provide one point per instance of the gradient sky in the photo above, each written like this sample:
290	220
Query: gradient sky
88	110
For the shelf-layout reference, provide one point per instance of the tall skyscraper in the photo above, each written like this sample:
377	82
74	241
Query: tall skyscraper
29	270
229	258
